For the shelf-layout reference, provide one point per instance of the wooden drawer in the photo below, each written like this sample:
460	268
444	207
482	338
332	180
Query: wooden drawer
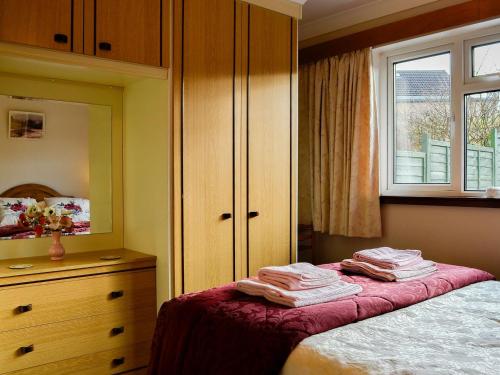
135	356
74	338
63	300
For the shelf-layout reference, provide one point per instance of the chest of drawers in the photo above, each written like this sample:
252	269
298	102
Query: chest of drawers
82	315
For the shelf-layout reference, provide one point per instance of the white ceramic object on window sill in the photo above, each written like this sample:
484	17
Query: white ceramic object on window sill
493	192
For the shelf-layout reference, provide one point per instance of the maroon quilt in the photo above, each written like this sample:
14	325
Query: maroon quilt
222	331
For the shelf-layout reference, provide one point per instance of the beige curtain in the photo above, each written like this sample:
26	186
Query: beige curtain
337	107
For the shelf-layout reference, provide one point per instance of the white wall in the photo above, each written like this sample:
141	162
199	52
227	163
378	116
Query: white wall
465	236
59	160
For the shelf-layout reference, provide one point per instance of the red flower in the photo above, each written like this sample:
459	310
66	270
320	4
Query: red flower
38	230
22	221
42	220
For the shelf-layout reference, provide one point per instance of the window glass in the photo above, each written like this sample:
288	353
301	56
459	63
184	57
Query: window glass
486	59
482	117
422	120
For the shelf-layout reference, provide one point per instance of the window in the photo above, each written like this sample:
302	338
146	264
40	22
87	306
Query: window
422	114
486	59
440	114
482	120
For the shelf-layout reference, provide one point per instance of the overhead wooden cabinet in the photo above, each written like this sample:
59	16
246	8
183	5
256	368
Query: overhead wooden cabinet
125	30
40	23
234	107
129	30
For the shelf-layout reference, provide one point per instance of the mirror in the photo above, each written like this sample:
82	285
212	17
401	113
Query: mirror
56	154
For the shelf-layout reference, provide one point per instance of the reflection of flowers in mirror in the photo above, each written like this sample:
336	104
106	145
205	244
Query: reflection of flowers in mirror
44	219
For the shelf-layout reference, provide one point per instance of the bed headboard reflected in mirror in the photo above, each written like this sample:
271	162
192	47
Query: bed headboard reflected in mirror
35	191
58	152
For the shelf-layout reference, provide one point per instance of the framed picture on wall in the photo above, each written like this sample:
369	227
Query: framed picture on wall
28	125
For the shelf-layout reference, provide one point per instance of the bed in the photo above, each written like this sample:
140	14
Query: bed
456	333
444	323
27	194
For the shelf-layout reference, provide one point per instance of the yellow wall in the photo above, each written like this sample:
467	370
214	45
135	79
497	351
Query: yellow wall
84	93
147	175
100	165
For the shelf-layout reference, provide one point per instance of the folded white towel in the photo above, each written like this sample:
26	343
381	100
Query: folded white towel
298	298
298	276
405	273
387	257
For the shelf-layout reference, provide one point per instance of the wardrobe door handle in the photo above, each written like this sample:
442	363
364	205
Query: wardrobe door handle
61	38
26	349
118	361
226	216
252	214
117	330
116	294
24	308
105	46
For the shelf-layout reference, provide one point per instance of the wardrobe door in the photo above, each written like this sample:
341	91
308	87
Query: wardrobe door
129	30
207	143
41	23
269	138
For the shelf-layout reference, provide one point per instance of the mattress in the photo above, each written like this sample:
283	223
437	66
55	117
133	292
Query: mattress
456	333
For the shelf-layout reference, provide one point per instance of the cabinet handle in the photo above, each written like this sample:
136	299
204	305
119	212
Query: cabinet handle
118	361
116	294
117	330
226	216
24	308
105	46
61	38
26	349
253	214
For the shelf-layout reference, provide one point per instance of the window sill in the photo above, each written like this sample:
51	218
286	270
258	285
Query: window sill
442	201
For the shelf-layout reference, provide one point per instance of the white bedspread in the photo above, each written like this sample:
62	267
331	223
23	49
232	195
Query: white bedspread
456	333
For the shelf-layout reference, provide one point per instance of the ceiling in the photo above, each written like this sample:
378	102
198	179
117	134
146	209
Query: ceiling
316	9
320	17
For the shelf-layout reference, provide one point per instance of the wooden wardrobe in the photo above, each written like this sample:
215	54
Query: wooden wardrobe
235	141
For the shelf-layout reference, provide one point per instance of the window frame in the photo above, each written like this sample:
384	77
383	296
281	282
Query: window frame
459	43
469	57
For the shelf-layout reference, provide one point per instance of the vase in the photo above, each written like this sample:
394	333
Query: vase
56	250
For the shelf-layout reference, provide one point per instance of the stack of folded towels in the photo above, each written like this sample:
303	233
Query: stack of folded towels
390	264
298	284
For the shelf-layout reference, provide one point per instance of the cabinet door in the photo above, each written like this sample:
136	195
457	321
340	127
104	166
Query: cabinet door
207	143
129	30
269	139
41	23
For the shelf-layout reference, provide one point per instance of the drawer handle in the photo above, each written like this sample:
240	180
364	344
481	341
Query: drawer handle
60	38
105	46
26	349
118	361
24	308
116	294
117	331
253	214
226	216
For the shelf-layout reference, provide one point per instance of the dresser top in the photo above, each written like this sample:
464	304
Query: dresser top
74	264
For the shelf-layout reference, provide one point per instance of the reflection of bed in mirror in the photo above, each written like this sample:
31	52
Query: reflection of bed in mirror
15	200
